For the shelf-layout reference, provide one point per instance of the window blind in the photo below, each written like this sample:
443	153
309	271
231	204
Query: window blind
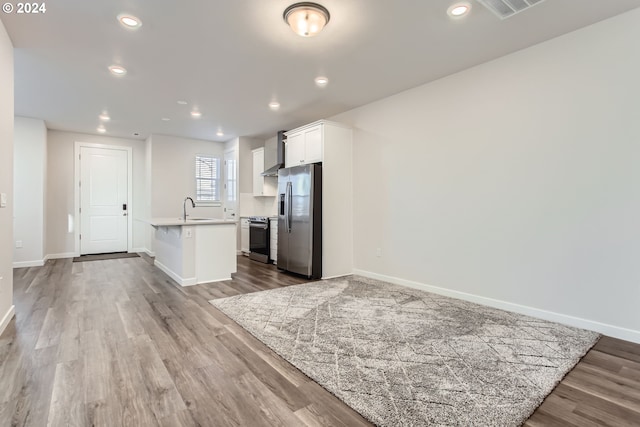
207	179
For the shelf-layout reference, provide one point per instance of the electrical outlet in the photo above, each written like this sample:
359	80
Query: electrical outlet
18	244
3	200
379	252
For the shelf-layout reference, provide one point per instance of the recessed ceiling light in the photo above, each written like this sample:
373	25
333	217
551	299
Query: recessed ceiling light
196	114
117	70
321	81
165	119
104	117
129	21
306	19
101	129
458	10
274	105
219	133
182	102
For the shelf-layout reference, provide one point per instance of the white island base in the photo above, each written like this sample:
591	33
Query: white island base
195	252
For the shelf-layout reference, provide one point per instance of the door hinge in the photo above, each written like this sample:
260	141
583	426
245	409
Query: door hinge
80	236
79	183
80	210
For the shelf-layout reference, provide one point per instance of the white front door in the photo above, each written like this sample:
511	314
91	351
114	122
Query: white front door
103	200
230	184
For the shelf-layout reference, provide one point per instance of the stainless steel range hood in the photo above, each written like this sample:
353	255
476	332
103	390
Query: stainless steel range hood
273	170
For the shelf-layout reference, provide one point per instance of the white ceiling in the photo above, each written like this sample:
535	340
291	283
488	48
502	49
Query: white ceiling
230	58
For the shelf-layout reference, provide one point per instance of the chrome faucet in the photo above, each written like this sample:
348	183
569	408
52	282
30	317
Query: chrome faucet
184	207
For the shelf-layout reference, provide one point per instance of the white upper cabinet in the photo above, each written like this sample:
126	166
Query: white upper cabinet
262	185
304	146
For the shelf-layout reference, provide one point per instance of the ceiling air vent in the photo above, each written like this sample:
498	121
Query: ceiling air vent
507	8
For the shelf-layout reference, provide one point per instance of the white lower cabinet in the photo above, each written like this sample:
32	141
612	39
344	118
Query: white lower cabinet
273	242
244	235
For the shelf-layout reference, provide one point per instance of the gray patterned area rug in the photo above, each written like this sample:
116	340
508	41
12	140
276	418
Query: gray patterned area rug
404	357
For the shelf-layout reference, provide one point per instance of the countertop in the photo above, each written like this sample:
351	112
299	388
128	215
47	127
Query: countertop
166	222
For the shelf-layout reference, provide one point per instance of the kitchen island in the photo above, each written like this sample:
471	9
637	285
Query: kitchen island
199	250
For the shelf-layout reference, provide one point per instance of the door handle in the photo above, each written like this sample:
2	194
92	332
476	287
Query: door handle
290	212
124	214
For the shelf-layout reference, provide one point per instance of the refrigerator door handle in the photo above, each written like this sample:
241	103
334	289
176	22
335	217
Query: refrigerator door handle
289	207
286	207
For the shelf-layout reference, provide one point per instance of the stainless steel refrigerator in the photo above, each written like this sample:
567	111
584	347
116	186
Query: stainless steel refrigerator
300	220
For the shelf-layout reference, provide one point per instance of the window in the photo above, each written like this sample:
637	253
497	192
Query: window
231	180
207	179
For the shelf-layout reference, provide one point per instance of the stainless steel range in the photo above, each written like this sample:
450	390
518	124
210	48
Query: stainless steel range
259	238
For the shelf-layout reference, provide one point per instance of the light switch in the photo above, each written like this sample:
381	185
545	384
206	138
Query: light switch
3	200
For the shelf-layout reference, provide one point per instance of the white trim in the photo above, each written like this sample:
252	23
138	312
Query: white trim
76	199
7	318
34	263
59	256
182	282
136	250
212	281
341	275
578	322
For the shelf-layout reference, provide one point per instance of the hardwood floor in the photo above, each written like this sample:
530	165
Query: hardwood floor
116	342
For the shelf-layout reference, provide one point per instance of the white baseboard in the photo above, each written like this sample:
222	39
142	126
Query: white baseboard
344	275
60	256
603	328
7	318
182	282
22	264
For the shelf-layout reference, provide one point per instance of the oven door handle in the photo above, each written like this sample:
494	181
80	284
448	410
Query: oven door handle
260	226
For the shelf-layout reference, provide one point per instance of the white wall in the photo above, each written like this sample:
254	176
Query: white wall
60	189
30	165
515	183
173	175
6	178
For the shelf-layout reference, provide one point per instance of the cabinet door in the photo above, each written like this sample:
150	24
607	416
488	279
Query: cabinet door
273	247
294	150
244	235
258	168
313	145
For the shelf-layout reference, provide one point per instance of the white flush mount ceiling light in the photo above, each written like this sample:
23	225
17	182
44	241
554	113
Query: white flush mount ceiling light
130	22
117	70
306	19
104	117
274	105
101	129
196	114
219	133
165	119
182	102
458	10
321	81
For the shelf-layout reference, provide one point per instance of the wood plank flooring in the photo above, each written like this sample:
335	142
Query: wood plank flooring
116	342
